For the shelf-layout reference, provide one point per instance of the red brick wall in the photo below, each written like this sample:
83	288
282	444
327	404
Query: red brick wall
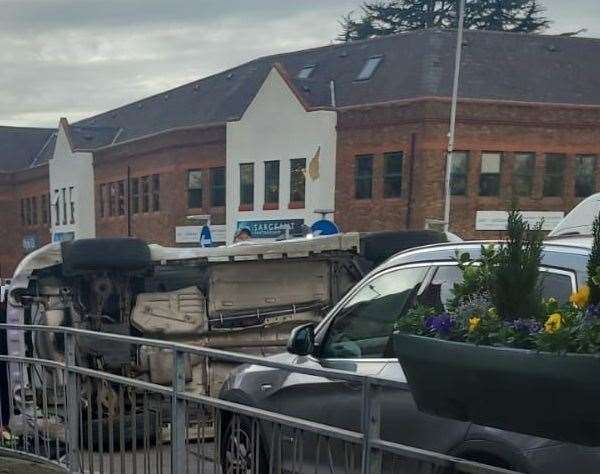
170	155
506	128
13	188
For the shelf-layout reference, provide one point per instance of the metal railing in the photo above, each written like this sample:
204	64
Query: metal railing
94	421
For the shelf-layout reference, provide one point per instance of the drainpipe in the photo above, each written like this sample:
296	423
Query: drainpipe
332	92
411	175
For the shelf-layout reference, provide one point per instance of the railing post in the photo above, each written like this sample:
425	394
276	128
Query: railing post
73	403
178	454
371	427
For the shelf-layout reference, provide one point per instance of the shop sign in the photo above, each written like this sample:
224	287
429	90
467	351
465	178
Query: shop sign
497	220
63	236
272	229
190	234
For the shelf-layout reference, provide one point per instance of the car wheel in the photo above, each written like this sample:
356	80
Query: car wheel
241	449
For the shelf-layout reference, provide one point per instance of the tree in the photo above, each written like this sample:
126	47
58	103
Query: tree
385	17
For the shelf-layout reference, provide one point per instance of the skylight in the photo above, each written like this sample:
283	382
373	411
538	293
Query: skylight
306	71
369	68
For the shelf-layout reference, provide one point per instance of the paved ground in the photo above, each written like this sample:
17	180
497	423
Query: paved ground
17	466
199	460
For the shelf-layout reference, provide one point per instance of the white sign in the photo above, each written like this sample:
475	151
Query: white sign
497	220
190	234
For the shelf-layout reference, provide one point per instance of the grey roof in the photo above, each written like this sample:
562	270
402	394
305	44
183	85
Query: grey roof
19	146
496	65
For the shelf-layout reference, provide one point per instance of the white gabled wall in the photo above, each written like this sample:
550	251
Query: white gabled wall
73	172
276	126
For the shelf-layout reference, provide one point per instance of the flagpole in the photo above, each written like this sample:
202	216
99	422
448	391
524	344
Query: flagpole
451	133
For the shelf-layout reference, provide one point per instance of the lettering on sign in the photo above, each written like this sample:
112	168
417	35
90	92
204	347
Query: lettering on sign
497	220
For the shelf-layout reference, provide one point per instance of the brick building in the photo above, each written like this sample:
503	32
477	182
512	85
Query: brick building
360	128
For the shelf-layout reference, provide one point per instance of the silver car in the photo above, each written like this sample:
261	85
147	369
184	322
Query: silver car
355	336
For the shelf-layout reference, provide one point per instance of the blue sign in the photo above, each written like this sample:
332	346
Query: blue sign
30	243
324	227
63	236
205	237
271	229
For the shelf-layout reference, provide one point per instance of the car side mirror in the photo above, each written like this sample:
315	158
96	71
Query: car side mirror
302	340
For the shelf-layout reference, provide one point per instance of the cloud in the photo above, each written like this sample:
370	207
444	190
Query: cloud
75	58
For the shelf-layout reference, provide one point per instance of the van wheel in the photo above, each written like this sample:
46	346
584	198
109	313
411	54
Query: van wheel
241	448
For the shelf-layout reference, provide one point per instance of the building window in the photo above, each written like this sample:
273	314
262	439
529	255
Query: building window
22	211
553	174
155	192
489	179
369	68
135	195
44	208
523	173
217	186
459	173
28	211
306	71
247	184
64	205
145	182
585	175
72	204
102	200
195	189
112	199
364	177
392	174
297	180
271	182
56	205
121	197
34	211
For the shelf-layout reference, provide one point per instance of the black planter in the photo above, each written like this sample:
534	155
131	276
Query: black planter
542	394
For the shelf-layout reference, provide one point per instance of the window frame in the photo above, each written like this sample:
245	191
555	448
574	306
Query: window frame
246	188
217	188
145	193
578	159
358	178
274	181
463	175
390	176
497	176
295	181
529	176
134	184
369	68
155	192
554	175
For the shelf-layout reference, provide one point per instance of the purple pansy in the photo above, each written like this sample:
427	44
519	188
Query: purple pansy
441	324
528	326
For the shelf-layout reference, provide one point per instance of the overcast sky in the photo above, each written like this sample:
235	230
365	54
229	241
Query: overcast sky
75	58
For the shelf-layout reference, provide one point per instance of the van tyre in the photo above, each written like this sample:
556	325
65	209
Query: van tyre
110	254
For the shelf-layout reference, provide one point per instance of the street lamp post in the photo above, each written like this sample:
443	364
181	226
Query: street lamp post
459	44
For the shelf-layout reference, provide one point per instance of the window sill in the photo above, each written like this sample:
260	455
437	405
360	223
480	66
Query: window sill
270	206
296	205
246	207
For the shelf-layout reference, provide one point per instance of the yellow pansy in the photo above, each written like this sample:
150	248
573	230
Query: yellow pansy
553	323
581	297
474	323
